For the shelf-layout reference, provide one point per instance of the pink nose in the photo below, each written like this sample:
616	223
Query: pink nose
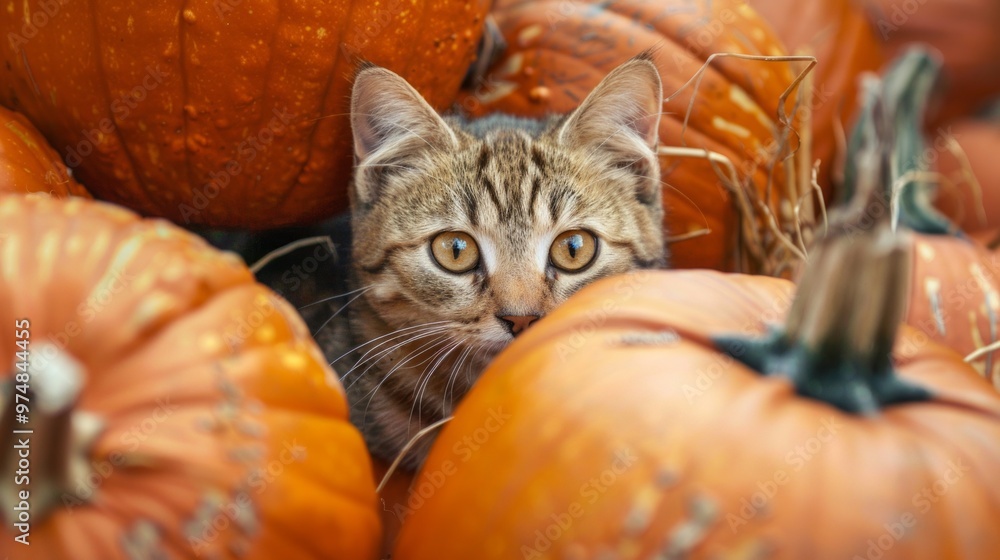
517	323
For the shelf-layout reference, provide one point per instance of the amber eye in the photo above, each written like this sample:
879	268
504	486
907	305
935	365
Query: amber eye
455	251
573	250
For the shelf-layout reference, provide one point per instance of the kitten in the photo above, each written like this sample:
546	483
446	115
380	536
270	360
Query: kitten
467	232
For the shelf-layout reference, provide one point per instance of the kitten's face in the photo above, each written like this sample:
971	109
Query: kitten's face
482	229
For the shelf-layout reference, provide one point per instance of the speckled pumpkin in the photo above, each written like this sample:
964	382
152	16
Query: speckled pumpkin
28	164
189	413
616	428
220	112
558	51
955	297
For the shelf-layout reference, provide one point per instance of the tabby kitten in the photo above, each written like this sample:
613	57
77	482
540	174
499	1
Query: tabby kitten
466	233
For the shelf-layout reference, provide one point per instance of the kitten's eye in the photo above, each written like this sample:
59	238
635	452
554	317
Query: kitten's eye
455	251
573	250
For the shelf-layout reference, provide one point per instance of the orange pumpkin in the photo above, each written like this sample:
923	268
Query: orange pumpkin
664	414
838	33
616	427
965	33
558	51
955	296
220	112
973	171
179	409
28	164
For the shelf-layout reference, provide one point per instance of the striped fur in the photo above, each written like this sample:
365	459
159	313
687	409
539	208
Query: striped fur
422	334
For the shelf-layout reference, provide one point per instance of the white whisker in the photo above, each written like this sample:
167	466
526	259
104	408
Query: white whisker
368	287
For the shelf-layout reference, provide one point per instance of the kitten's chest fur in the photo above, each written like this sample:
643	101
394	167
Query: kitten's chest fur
400	380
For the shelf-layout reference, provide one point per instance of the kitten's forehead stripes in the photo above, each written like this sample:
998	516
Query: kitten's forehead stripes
471	206
536	187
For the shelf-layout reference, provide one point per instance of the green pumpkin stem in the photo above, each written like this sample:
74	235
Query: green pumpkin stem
906	89
55	438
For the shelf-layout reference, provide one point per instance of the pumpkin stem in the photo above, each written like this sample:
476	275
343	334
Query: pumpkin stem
836	344
44	443
837	341
906	89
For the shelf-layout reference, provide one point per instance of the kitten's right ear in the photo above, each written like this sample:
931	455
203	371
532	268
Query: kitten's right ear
621	119
391	121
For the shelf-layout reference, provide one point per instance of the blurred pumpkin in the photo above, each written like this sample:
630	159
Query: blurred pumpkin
220	112
955	296
28	164
634	422
558	51
973	171
838	33
965	33
179	409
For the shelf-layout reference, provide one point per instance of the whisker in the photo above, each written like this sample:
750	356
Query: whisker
453	375
370	396
342	307
422	387
368	287
383	353
394	334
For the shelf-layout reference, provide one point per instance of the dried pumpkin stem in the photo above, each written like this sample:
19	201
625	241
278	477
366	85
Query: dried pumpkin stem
836	343
45	442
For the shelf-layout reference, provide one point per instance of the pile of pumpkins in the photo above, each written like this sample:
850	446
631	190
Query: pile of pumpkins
180	409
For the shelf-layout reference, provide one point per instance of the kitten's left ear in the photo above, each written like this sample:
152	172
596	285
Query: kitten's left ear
621	117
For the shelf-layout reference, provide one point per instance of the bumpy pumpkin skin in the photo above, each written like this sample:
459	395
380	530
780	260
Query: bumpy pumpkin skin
613	426
955	297
558	51
221	112
217	405
28	164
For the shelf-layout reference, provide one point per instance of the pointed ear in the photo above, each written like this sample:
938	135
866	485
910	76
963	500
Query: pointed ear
621	117
392	124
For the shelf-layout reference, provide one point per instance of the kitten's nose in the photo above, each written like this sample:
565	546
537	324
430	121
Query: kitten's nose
517	323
